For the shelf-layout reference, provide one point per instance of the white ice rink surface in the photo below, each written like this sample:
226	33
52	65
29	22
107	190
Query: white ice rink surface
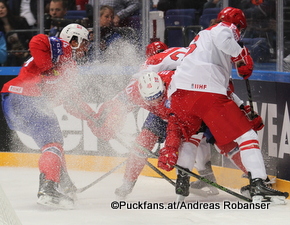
94	205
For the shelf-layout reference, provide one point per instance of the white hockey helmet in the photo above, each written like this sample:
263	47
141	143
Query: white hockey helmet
74	30
150	86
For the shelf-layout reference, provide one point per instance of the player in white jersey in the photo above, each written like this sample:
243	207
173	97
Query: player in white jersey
169	59
198	92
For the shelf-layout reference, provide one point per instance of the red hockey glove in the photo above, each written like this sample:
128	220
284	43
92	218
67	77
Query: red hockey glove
167	158
256	120
244	63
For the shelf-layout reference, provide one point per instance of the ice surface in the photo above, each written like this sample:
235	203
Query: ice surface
94	205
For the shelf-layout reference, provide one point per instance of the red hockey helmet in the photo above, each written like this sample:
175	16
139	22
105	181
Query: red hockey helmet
155	48
233	15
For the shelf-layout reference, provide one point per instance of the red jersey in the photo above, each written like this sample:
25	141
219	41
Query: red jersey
39	75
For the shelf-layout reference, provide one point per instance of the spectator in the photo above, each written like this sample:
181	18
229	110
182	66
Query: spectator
108	33
25	8
3	48
71	4
8	24
57	8
123	9
57	11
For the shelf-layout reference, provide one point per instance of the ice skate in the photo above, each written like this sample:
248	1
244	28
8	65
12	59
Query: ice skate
66	185
49	195
201	188
182	186
258	188
245	190
125	189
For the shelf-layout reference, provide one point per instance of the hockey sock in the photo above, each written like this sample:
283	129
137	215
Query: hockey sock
137	159
251	155
236	159
232	151
50	161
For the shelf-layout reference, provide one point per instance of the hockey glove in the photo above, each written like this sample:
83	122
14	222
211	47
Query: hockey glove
167	158
256	120
244	63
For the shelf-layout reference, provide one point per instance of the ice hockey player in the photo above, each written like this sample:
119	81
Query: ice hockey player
46	80
195	99
154	126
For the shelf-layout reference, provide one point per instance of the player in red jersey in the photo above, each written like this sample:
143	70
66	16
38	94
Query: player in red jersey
46	80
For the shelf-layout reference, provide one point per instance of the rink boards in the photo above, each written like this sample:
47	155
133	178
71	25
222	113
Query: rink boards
231	178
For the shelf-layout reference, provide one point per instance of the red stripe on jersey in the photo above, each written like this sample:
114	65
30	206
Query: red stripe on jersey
251	144
194	141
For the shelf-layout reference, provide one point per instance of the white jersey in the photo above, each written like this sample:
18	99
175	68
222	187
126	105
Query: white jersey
207	64
166	60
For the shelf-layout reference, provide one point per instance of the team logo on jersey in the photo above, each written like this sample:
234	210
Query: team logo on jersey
15	89
199	86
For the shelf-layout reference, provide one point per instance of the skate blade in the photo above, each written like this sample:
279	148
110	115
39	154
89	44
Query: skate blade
203	193
72	195
180	198
277	200
55	203
273	200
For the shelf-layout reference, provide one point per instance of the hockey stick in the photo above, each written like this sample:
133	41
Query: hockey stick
160	173
250	97
80	190
213	184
